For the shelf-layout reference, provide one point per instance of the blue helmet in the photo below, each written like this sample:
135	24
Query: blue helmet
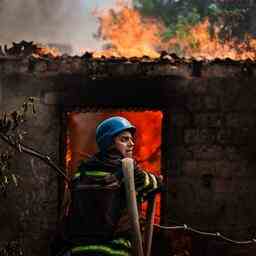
109	128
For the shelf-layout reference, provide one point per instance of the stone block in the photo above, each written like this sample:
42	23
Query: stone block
189	168
181	119
203	103
208	120
211	102
198	169
205	167
226	169
232	153
184	153
239	98
208	152
194	103
224	136
240	119
201	152
199	136
235	136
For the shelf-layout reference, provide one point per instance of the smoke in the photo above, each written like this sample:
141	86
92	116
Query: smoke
50	21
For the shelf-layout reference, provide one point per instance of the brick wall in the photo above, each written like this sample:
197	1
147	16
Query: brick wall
29	212
209	141
212	175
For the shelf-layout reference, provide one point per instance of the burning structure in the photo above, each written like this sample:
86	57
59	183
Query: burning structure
204	110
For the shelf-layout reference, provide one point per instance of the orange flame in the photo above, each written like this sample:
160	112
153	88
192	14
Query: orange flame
45	50
128	34
201	45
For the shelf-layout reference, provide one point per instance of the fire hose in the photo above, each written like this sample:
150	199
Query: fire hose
137	241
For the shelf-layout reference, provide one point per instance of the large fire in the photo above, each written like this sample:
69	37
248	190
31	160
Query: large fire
201	45
128	34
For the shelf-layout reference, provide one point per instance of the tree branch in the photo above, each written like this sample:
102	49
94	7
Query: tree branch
45	158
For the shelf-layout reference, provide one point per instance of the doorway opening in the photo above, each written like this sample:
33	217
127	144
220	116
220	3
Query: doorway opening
81	143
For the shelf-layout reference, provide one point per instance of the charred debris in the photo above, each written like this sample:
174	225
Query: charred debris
29	57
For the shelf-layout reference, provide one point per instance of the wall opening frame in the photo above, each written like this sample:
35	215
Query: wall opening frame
107	96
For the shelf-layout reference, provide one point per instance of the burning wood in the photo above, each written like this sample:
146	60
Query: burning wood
26	49
47	51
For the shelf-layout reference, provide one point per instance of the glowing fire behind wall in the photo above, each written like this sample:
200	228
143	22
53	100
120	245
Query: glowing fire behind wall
81	139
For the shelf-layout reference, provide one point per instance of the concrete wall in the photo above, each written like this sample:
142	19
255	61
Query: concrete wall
211	183
208	143
29	212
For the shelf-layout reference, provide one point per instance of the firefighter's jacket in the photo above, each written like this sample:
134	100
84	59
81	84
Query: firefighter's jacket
97	222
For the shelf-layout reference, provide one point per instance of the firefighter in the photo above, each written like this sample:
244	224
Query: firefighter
97	223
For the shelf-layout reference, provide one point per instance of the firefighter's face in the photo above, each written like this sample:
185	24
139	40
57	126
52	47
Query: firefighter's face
124	143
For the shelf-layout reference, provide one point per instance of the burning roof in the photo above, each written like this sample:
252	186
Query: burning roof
130	34
28	57
127	34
